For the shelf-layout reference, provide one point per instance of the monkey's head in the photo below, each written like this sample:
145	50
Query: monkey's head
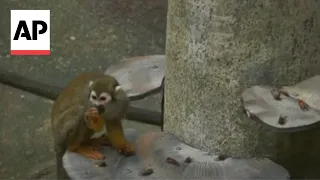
102	91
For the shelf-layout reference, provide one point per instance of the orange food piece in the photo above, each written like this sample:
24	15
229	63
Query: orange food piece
95	121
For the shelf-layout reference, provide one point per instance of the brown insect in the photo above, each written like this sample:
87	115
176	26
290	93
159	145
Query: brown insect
146	172
100	164
276	94
303	105
221	157
172	161
282	120
188	160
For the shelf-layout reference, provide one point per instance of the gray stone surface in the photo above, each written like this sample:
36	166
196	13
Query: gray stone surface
139	75
282	110
103	32
215	50
169	158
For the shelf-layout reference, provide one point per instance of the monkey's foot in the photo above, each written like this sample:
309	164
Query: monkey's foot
90	152
127	150
95	122
102	140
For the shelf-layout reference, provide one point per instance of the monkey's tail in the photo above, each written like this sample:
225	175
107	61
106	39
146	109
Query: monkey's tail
61	172
60	149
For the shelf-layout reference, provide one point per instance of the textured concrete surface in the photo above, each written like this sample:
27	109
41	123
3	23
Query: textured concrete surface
165	156
216	49
86	35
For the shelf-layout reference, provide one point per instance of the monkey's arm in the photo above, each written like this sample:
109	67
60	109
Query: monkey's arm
93	120
114	113
51	92
71	132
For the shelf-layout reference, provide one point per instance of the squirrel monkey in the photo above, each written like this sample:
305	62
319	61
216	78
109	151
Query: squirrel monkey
92	103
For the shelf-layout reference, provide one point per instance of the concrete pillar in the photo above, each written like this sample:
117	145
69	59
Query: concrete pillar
216	49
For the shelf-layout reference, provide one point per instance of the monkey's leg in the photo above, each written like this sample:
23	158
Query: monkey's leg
117	138
87	150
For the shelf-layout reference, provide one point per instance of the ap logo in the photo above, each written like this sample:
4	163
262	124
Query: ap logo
30	32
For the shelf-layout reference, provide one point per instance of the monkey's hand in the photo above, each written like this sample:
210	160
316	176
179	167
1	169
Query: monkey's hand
117	138
94	120
127	150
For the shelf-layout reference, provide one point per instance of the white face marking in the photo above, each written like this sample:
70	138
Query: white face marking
103	98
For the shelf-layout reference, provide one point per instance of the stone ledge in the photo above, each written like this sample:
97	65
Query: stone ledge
162	156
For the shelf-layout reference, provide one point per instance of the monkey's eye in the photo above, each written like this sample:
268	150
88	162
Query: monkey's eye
94	97
103	98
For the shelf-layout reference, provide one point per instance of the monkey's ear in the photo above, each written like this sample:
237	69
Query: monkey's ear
117	88
90	83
